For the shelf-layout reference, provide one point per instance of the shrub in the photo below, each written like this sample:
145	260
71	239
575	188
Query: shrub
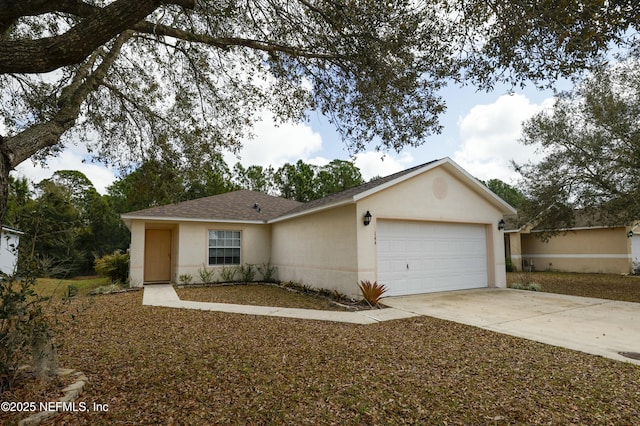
228	273
247	272
114	266
522	282
72	291
531	286
24	331
509	265
268	272
185	279
372	293
206	275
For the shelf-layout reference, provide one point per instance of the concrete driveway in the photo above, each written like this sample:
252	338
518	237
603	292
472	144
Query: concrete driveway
596	326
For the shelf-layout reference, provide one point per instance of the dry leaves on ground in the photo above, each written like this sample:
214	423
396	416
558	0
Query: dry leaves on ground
258	294
604	286
154	365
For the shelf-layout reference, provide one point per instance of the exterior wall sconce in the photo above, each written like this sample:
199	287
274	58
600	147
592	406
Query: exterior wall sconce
501	225
630	234
367	218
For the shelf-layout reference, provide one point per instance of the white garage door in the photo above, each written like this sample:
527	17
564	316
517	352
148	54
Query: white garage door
419	257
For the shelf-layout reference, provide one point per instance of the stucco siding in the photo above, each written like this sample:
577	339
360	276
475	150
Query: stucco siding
592	250
436	196
193	246
325	243
136	253
190	246
318	249
513	248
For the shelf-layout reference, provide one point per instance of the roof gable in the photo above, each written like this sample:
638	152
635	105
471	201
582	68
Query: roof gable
354	194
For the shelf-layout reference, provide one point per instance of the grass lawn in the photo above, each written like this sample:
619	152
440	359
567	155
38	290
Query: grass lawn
155	365
48	287
603	286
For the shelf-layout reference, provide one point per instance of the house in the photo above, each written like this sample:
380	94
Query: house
430	228
9	240
589	246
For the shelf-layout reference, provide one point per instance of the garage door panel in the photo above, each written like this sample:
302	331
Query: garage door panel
422	257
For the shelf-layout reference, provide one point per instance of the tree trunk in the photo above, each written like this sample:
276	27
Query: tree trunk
20	147
5	168
76	44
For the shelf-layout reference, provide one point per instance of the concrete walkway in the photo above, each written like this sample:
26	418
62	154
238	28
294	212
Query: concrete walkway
165	295
596	326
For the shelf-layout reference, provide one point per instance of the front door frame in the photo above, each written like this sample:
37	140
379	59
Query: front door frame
158	255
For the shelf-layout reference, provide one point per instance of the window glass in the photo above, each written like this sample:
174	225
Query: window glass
224	247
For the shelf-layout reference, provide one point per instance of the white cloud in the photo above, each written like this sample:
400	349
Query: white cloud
490	135
276	145
318	161
373	163
273	145
69	159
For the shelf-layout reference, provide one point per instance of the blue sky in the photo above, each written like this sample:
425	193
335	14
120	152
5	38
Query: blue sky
481	132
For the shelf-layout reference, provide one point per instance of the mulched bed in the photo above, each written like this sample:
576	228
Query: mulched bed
155	365
604	286
261	295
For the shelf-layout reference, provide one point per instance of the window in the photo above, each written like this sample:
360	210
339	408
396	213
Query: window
224	247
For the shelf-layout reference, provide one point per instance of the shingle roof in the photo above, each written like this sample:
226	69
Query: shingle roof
232	206
239	205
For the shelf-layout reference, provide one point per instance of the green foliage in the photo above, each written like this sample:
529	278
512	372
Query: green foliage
153	183
338	295
254	178
526	286
524	282
72	291
19	195
158	182
509	265
58	288
372	292
185	279
114	266
306	182
513	196
337	176
52	226
268	272
589	139
246	272
375	69
66	224
25	332
206	275
228	273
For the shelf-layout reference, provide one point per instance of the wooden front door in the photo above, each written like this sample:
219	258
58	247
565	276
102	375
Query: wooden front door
157	255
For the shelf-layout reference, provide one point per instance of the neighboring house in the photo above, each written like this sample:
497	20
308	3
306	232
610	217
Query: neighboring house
589	246
9	240
429	228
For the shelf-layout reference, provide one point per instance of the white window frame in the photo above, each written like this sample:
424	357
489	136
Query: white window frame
229	241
